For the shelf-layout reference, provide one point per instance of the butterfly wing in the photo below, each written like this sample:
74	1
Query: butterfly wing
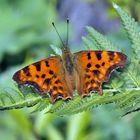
47	76
95	67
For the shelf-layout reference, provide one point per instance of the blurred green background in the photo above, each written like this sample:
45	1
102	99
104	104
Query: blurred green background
26	34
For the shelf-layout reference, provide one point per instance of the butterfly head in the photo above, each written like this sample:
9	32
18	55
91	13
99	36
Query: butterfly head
65	50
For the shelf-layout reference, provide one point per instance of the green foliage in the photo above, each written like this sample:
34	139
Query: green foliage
11	98
22	26
122	93
132	28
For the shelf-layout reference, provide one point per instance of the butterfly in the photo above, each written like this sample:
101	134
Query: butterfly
59	76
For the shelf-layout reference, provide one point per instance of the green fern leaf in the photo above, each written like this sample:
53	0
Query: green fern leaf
42	105
67	108
13	99
100	40
132	28
57	106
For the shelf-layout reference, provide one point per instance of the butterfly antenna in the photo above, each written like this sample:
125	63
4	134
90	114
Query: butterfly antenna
58	34
67	32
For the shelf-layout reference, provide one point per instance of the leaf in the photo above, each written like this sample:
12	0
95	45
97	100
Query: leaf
14	99
132	28
25	31
100	40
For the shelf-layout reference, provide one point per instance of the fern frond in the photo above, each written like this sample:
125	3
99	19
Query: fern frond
66	109
14	99
132	28
42	105
100	41
56	107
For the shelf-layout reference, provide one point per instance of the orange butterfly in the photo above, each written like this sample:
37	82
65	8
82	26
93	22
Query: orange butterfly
59	76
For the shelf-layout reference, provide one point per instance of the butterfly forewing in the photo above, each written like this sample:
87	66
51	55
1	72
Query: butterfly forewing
47	76
95	67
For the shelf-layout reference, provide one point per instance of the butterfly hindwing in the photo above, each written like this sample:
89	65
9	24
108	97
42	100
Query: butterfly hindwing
95	67
47	76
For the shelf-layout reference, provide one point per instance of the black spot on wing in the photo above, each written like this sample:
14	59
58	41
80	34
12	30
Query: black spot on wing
97	66
47	63
98	55
111	55
51	72
103	63
57	81
47	81
37	76
89	56
96	72
55	88
88	65
26	71
110	59
43	76
37	65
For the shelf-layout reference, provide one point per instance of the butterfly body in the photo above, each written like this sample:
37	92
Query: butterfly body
67	59
70	72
